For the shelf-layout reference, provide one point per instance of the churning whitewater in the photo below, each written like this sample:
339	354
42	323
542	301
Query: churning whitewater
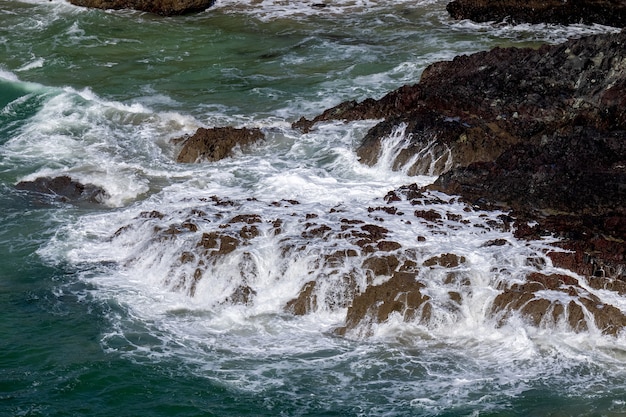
246	272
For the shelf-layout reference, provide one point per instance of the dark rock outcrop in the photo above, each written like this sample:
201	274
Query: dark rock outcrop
64	189
577	177
540	133
161	7
604	12
209	145
474	107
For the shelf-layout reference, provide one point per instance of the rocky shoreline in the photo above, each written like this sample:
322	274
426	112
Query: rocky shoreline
541	132
604	12
537	133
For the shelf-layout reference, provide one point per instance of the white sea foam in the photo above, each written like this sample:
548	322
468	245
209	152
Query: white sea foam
8	75
464	359
35	63
97	141
135	258
283	9
141	267
551	33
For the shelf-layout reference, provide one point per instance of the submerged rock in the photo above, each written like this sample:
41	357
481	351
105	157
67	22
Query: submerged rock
161	7
604	12
210	145
373	269
65	189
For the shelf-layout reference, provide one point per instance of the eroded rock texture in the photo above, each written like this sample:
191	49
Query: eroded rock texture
210	145
372	268
474	107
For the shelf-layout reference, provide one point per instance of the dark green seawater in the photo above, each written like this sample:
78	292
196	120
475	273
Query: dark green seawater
96	314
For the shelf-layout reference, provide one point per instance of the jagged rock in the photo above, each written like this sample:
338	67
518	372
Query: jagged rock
527	300
400	294
604	12
538	132
579	174
305	302
218	244
65	189
446	260
541	132
161	7
381	265
210	145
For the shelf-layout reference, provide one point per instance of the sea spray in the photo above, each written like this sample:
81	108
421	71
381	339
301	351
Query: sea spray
111	305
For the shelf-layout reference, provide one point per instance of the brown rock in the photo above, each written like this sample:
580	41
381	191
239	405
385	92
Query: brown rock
305	302
447	260
219	244
525	300
213	144
388	246
401	293
381	265
430	215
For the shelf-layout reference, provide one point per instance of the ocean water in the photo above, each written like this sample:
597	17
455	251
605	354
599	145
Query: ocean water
106	313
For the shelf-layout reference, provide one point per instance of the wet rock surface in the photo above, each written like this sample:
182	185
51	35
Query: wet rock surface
161	7
64	189
604	12
365	267
568	309
475	107
210	145
537	133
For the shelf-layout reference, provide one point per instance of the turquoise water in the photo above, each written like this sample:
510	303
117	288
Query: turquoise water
100	323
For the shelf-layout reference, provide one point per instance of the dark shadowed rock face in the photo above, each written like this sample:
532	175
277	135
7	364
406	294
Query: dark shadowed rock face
581	174
209	145
473	108
162	7
604	12
65	189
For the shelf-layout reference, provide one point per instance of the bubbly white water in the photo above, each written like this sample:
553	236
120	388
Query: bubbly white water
461	357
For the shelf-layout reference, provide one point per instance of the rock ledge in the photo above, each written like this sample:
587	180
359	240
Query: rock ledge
161	7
